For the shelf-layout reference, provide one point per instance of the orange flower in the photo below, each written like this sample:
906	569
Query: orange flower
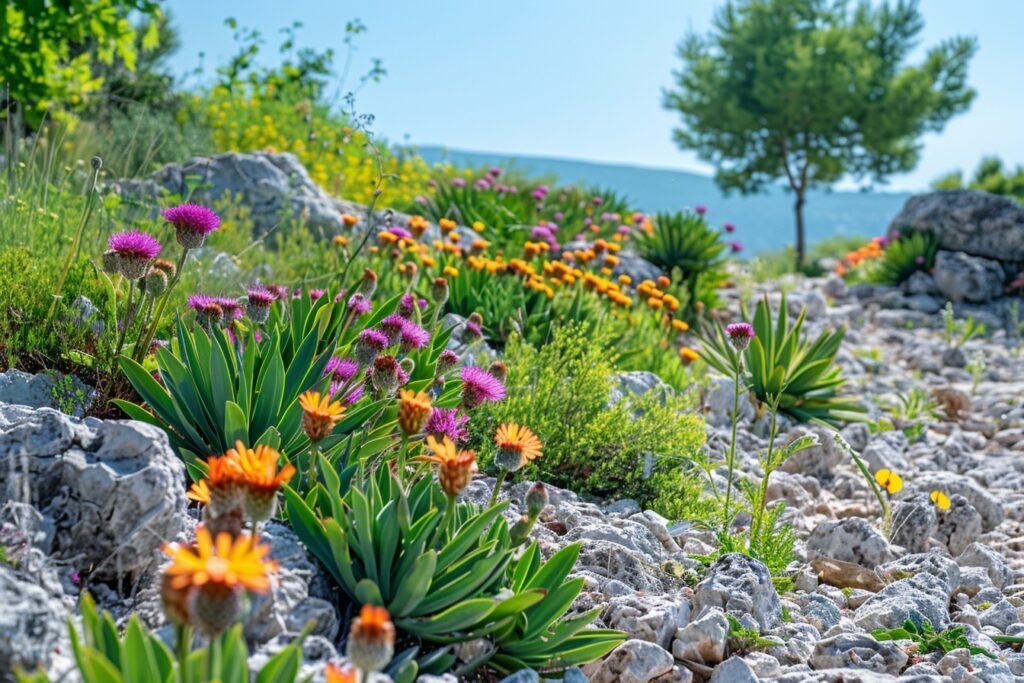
517	445
655	302
319	415
446	224
371	641
663	281
260	477
451	271
204	582
680	325
335	674
199	492
341	240
348	219
688	355
413	411
455	468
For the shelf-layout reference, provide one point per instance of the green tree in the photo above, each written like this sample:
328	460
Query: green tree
811	91
990	176
48	49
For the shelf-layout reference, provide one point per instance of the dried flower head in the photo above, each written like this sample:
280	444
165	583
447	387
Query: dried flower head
192	223
208	311
384	375
371	642
319	414
517	445
447	360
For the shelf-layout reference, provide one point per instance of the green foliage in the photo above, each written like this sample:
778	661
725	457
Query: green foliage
446	571
955	332
48	51
768	266
990	176
635	448
743	639
902	258
913	412
928	640
213	391
781	362
104	655
809	91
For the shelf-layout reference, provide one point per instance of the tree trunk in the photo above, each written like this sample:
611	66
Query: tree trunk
798	208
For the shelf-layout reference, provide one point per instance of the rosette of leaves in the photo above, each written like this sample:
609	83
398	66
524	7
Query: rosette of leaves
104	655
782	362
213	391
902	258
442	583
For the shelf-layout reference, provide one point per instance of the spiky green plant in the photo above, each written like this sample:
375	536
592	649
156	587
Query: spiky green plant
903	257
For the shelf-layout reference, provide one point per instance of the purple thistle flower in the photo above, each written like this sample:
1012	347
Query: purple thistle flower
315	294
359	304
393	326
134	251
446	361
729	227
700	209
624	230
448	422
459	182
192	223
479	386
352	396
399	231
208	311
280	291
422	303
495	171
413	337
597	201
341	369
260	300
473	327
736	246
407	305
369	343
233	310
740	334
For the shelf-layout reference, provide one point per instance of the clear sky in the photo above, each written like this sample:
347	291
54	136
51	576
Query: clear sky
581	79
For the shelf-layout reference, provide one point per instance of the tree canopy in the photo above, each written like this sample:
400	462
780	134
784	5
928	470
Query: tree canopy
811	91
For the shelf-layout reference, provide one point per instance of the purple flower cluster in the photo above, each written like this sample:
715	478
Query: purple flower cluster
130	253
479	387
448	422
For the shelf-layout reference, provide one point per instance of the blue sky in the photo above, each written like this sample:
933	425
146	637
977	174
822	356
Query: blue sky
581	79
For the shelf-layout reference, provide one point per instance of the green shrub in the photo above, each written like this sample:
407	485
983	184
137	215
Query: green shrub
902	258
633	449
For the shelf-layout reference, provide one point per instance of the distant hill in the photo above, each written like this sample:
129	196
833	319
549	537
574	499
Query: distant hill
763	222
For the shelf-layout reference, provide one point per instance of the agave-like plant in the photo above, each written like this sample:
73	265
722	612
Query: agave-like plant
781	362
681	240
903	257
444	583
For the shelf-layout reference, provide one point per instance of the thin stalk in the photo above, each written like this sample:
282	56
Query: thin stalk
183	643
128	319
886	512
140	351
502	473
730	459
768	466
76	244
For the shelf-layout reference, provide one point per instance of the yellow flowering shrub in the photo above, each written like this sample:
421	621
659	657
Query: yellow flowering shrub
335	154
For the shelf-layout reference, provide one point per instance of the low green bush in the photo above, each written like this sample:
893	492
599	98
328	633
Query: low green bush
635	448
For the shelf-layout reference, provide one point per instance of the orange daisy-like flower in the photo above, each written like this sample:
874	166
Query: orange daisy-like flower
348	219
203	584
517	445
320	415
199	492
223	489
371	642
455	468
688	355
680	325
260	478
413	411
336	674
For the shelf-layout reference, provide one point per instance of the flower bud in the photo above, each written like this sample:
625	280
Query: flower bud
498	369
111	262
155	282
439	290
384	375
371	642
536	499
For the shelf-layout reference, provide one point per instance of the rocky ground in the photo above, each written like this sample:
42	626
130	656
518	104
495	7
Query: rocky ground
88	503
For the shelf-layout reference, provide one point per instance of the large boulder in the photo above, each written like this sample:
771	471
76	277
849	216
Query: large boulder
977	223
273	186
113	491
961	277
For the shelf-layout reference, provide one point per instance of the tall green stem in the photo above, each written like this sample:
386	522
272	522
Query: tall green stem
768	466
502	473
128	319
143	348
76	245
730	459
183	643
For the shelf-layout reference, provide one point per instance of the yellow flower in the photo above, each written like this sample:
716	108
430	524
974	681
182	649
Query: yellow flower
451	271
478	226
940	499
680	325
319	415
517	445
228	562
889	480
654	302
446	224
413	411
341	240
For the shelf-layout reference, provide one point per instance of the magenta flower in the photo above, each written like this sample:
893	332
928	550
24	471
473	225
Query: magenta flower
740	334
459	182
208	311
413	337
495	171
393	326
597	201
132	252
369	343
359	304
341	369
192	223
400	232
447	422
700	210
315	294
729	227
260	300
233	310
479	386
736	246
446	361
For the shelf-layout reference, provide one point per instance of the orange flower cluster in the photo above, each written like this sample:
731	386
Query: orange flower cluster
872	250
242	479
